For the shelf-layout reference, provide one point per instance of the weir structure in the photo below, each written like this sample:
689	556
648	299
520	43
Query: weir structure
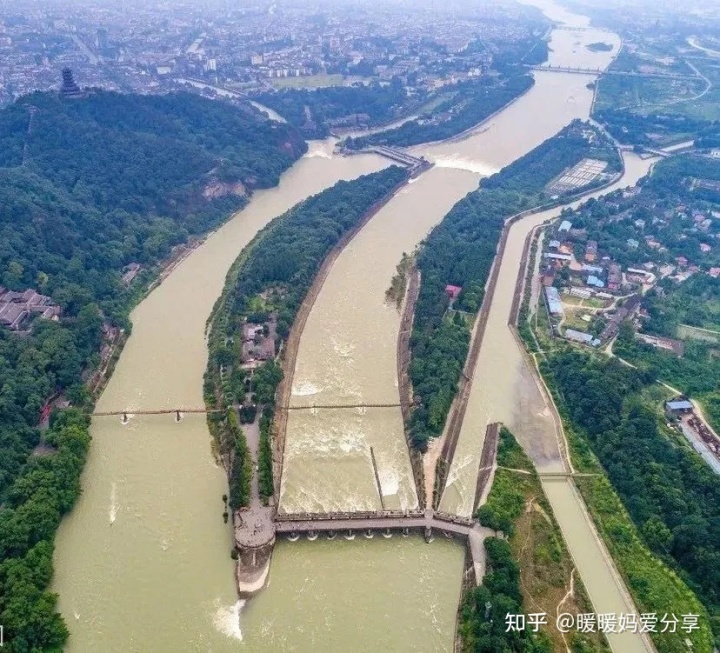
254	548
256	528
415	164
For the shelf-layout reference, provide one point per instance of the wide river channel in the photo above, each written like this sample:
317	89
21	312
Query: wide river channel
143	562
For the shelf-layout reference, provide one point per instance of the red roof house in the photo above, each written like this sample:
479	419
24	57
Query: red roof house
452	291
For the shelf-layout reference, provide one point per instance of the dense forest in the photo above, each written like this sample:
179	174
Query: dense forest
311	110
87	186
90	185
272	276
471	103
672	496
45	488
460	252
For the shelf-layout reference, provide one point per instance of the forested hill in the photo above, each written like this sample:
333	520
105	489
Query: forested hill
139	152
111	179
87	186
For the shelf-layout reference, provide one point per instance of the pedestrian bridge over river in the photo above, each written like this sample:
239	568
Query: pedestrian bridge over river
179	412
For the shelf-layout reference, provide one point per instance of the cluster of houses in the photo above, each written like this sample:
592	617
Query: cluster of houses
592	272
596	277
599	278
258	342
17	307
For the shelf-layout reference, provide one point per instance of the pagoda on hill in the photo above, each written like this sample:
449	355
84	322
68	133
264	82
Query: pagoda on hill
69	88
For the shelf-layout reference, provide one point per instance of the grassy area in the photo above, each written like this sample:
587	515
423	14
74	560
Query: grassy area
646	95
595	303
657	394
434	103
571	300
697	333
646	55
314	81
573	320
548	580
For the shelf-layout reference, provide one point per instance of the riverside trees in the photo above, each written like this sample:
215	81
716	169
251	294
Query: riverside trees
273	275
87	186
671	495
44	490
460	251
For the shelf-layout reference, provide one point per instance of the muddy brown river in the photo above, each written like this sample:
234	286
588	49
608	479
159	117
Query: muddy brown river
143	562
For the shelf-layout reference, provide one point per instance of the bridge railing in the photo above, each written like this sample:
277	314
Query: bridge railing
341	516
453	519
330	406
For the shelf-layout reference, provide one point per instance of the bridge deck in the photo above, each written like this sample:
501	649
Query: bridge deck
169	411
375	524
159	411
392	519
427	521
598	71
330	406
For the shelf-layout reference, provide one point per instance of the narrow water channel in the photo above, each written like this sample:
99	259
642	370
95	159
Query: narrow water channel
143	564
504	389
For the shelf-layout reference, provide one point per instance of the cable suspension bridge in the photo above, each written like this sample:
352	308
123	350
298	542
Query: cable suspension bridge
179	412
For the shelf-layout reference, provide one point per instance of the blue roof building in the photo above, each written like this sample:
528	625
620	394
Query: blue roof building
592	280
678	405
584	338
565	225
554	303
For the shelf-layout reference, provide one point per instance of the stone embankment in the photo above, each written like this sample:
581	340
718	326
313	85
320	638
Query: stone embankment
403	375
459	405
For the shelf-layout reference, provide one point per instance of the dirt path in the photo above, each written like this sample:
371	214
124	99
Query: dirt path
404	383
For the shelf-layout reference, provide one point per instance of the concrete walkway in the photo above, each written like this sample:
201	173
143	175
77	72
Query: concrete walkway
254	526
